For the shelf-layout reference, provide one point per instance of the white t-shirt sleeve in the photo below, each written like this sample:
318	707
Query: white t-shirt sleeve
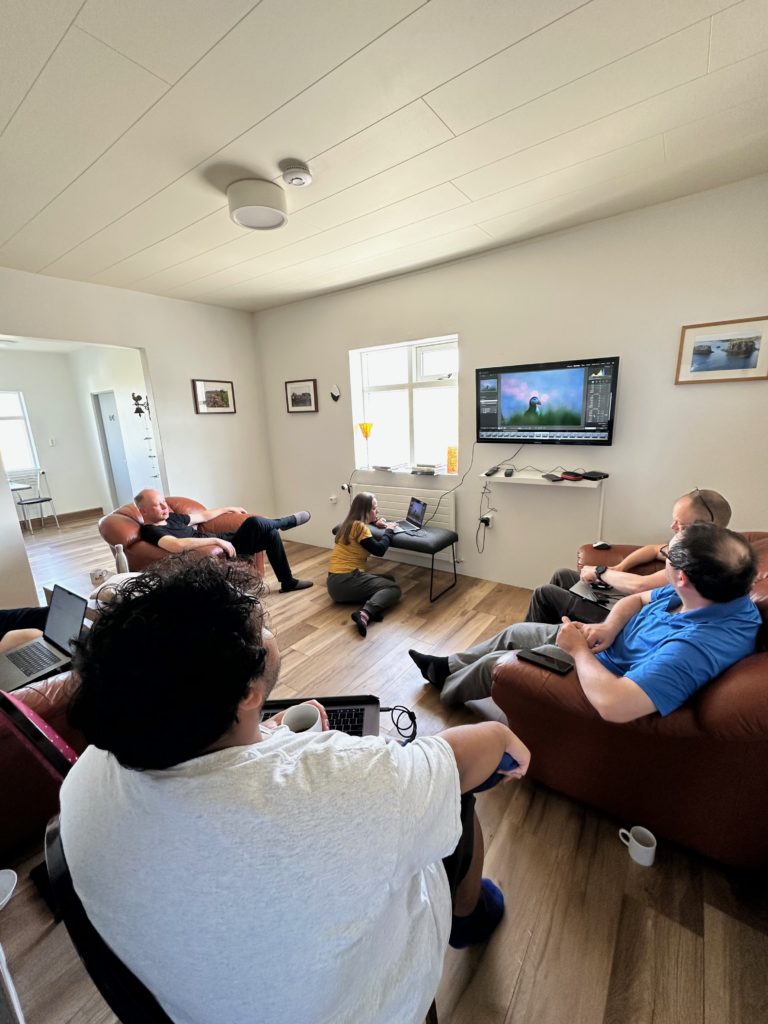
430	802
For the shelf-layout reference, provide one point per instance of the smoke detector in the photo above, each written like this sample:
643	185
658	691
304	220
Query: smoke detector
298	175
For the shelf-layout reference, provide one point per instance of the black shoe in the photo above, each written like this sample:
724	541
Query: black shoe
288	588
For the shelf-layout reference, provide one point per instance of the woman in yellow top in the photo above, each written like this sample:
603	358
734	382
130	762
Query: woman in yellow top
348	583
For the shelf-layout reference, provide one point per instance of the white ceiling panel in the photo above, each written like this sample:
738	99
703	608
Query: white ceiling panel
167	37
165	218
739	32
547	60
239	82
433	129
31	31
86	97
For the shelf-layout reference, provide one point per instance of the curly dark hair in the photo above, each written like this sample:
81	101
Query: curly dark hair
164	668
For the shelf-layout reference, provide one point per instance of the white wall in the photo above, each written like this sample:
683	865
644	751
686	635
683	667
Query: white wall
620	286
17	588
216	459
97	369
54	414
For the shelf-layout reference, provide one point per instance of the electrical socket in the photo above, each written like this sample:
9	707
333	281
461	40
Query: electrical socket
487	520
344	487
333	499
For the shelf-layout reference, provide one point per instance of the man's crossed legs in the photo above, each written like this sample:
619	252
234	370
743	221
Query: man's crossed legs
467	676
257	533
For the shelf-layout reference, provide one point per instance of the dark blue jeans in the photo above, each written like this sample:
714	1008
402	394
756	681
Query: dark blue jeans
257	533
22	618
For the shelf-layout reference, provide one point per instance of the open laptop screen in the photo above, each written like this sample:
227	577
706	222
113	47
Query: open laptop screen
416	511
65	618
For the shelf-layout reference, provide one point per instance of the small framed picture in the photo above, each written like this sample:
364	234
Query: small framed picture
214	396
301	395
723	350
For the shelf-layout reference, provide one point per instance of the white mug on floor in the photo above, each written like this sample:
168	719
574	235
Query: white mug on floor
303	718
641	844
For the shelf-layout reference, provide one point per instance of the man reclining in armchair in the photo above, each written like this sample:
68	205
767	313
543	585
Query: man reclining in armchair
655	649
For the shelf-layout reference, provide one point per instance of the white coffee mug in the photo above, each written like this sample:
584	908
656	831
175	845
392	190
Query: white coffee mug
303	718
641	844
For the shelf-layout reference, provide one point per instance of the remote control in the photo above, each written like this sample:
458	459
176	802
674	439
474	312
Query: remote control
492	470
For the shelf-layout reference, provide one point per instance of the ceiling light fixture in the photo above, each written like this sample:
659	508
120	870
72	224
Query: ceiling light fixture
256	204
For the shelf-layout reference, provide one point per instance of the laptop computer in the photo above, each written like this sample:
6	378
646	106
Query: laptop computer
357	715
52	651
414	518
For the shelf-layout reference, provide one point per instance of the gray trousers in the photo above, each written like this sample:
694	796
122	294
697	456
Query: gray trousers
470	672
551	602
375	592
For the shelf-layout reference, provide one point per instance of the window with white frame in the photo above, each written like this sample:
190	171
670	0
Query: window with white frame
16	443
409	395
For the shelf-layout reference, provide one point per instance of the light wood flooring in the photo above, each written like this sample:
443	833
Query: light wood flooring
588	937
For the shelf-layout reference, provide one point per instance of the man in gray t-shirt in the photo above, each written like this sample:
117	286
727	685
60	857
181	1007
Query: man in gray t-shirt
244	872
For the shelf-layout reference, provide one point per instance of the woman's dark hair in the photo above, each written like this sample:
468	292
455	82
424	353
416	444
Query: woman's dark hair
359	511
164	668
720	563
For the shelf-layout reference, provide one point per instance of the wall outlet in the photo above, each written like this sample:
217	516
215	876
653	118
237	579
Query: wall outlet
333	499
344	487
487	520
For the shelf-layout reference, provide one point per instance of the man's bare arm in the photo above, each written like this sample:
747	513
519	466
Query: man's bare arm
647	553
204	515
178	544
626	582
479	748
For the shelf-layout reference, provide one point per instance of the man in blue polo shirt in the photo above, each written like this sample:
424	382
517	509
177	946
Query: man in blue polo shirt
653	651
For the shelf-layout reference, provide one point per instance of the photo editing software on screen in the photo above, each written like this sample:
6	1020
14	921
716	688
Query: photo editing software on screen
548	403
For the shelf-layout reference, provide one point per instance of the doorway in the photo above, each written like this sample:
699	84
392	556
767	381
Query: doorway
112	447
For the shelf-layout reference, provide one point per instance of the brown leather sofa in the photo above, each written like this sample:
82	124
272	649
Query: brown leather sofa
122	527
698	777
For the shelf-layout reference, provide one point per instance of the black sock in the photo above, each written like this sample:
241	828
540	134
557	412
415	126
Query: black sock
360	619
434	669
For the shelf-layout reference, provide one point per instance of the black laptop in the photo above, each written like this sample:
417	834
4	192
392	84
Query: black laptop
52	652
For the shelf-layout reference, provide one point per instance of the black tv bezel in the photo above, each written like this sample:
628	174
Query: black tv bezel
562	364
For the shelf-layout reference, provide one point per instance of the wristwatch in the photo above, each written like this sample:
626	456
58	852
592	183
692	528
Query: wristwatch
600	583
599	570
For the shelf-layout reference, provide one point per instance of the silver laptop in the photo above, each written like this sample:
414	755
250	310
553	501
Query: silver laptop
52	652
414	518
356	715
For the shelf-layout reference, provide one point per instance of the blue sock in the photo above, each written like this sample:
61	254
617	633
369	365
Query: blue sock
478	926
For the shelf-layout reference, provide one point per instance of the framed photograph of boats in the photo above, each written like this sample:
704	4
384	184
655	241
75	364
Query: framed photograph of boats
723	350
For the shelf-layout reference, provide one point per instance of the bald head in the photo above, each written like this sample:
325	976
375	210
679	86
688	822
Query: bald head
153	506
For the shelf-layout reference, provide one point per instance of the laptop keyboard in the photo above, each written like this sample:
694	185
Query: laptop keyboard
349	720
33	659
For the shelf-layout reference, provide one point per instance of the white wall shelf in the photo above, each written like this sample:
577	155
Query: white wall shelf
537	478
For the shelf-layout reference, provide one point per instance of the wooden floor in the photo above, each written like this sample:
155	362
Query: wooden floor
588	937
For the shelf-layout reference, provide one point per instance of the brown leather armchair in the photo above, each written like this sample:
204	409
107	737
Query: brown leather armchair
698	777
122	527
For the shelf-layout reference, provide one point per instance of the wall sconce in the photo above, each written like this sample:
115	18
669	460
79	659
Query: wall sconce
140	406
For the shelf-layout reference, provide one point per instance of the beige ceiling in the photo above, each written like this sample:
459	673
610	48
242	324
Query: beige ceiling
433	129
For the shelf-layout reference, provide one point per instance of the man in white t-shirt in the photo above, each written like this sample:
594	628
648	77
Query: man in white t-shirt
244	872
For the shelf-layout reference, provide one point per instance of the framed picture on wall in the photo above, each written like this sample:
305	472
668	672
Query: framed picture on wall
214	396
301	395
723	350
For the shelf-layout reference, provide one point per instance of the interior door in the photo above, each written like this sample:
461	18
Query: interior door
113	447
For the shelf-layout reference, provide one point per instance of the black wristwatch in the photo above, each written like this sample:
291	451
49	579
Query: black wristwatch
599	570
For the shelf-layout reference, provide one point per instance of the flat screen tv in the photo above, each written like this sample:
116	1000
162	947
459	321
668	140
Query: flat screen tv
571	402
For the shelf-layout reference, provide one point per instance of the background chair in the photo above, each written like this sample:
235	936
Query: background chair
122	527
36	482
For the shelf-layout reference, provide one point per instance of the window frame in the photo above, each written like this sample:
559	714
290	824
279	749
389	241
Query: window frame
24	418
417	380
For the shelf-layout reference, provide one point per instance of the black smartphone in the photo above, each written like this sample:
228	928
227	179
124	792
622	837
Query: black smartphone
545	661
553	477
